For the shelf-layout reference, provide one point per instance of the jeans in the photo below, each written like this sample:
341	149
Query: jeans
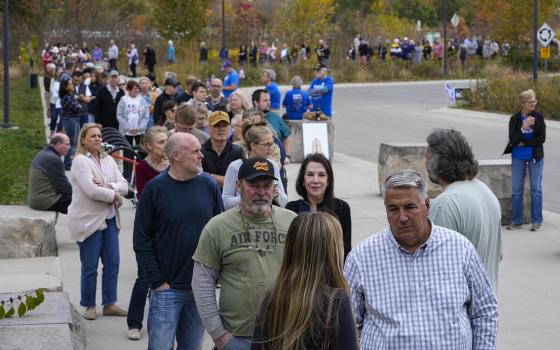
102	244
518	170
86	119
72	127
55	113
137	301
173	314
238	343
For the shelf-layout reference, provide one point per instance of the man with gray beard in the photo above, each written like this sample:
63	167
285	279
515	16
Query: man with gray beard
466	205
243	248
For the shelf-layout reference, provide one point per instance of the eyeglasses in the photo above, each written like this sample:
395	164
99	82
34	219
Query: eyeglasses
268	145
216	86
123	84
531	102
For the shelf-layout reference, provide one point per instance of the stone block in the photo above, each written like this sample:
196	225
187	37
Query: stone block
297	138
400	156
26	233
496	174
54	324
30	273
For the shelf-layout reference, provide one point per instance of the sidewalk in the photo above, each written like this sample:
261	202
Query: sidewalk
528	286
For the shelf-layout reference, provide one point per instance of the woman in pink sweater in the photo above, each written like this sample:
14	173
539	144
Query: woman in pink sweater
93	219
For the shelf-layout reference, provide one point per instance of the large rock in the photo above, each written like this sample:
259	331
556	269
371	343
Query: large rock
52	325
26	233
297	138
400	156
495	173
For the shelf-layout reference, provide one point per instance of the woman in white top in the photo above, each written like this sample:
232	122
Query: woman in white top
93	220
56	107
260	143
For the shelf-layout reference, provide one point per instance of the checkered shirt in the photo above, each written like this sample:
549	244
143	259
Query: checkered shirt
438	298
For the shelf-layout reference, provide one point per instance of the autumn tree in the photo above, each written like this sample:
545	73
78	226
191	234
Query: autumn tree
177	19
303	19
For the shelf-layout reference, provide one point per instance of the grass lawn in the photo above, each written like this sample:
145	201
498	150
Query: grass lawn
17	147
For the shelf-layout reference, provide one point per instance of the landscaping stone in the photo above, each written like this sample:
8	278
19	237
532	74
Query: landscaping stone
297	139
31	273
26	233
54	324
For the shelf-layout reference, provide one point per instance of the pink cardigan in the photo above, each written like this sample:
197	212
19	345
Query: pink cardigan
91	203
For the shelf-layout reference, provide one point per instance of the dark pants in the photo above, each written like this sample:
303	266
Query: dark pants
137	301
133	69
113	64
62	204
55	114
151	69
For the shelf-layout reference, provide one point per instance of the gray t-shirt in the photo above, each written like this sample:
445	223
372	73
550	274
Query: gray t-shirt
471	208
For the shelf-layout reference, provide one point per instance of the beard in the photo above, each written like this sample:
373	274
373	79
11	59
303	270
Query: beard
257	206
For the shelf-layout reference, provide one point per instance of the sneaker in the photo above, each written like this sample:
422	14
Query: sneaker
134	334
90	314
113	310
514	226
536	227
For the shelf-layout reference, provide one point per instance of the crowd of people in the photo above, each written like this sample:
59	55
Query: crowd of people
213	212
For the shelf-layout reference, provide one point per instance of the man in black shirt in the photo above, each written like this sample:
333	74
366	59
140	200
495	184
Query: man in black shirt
169	93
219	152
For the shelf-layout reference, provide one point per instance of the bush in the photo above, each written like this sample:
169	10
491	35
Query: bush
500	94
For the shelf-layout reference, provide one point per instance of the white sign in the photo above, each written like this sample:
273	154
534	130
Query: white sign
315	138
450	93
455	20
545	34
418	25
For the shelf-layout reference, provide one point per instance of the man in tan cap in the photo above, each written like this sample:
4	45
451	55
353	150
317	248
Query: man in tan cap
219	152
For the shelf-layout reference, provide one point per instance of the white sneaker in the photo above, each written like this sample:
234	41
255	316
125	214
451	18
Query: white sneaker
134	334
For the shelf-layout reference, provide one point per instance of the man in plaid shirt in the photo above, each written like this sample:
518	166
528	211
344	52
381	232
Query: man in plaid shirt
416	285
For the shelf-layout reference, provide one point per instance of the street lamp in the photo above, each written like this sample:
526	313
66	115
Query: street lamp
535	44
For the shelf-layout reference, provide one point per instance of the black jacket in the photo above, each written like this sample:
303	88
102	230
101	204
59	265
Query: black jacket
340	210
106	108
516	135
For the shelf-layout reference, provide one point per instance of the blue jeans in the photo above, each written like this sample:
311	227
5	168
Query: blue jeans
173	314
86	119
238	343
72	127
518	170
137	301
102	244
55	113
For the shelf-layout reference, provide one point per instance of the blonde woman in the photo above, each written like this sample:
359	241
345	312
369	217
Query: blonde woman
260	143
309	306
93	220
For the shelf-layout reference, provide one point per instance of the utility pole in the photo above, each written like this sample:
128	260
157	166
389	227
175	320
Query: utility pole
223	24
6	47
445	67
535	41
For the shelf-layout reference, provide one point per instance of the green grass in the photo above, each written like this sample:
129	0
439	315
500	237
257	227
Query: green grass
18	146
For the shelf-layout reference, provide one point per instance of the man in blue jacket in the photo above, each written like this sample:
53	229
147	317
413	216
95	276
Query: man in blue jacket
321	91
172	211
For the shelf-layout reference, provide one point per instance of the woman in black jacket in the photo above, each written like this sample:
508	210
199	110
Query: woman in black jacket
527	133
315	184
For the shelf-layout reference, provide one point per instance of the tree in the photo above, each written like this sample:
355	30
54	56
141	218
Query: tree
177	19
302	19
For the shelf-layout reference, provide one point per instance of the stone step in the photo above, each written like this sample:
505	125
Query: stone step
31	273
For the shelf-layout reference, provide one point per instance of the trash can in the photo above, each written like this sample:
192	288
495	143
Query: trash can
33	80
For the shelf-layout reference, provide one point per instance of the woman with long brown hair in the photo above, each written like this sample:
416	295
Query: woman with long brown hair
309	307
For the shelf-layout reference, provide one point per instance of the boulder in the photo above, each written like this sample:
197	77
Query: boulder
26	233
54	324
297	138
495	173
400	156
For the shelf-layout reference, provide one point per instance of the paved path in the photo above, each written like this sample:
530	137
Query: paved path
529	282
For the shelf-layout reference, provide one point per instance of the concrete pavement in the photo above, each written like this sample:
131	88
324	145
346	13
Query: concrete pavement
528	284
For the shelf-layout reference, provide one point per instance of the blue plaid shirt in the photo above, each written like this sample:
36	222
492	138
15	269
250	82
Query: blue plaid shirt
437	298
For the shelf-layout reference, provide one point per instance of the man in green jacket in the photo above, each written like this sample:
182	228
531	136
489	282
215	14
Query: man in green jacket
49	188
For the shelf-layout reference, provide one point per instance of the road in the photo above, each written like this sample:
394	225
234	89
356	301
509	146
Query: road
370	114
